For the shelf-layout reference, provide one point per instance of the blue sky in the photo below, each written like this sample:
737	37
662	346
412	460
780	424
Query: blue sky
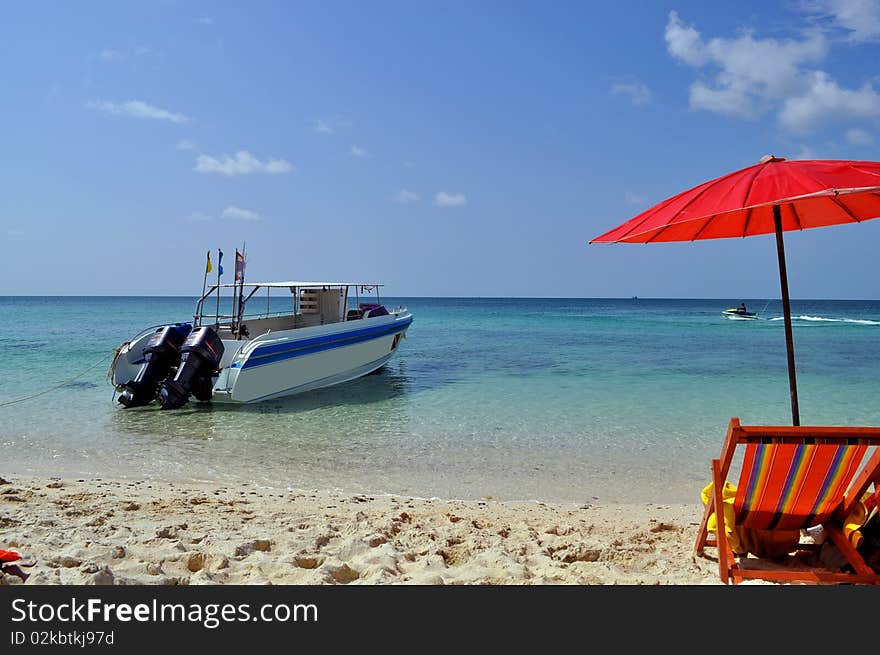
442	148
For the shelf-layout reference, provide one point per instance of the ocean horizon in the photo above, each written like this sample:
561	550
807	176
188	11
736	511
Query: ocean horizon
508	398
736	301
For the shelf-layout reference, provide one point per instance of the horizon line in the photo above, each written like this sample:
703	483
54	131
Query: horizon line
453	297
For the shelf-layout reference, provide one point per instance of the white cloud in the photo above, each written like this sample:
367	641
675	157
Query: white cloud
858	137
403	196
240	214
185	144
755	76
109	55
824	99
198	217
138	109
443	199
752	73
358	152
684	42
331	125
323	127
638	93
243	163
859	18
807	152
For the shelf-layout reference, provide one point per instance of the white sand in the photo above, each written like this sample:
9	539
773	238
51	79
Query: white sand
123	532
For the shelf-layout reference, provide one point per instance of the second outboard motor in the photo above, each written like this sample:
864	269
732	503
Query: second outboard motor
160	355
200	358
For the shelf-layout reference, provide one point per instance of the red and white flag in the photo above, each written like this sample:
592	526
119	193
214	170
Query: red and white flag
239	266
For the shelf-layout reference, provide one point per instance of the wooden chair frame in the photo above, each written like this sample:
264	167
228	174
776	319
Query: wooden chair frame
738	435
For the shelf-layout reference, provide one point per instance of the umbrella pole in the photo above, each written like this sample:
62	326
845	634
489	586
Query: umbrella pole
786	308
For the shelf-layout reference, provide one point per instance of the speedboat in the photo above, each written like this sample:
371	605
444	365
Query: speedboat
739	313
326	335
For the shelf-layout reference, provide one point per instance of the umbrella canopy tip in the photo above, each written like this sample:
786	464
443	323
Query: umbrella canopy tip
769	158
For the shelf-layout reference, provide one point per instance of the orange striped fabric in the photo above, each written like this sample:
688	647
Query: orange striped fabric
793	486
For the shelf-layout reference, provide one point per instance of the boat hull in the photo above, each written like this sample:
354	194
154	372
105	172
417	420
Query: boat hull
310	359
292	361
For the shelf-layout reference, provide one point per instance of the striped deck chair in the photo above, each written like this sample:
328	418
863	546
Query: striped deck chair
793	478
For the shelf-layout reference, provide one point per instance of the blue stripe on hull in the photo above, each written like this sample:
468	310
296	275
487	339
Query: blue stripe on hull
264	355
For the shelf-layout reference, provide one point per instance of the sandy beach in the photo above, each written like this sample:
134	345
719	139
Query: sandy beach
122	532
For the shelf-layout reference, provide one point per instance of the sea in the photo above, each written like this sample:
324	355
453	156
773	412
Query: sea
539	399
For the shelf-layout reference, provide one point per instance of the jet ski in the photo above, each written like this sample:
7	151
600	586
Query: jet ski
739	313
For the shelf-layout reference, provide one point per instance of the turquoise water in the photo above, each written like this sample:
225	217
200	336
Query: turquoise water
550	399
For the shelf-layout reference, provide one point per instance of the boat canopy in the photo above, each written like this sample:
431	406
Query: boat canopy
321	302
301	285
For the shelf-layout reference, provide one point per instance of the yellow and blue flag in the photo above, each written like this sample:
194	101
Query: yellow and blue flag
209	267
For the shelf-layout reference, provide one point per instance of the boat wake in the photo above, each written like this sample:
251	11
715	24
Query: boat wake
824	319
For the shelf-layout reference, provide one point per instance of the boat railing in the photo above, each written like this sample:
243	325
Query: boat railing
258	315
208	314
200	316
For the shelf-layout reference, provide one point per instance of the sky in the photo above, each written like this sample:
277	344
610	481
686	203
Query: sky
440	148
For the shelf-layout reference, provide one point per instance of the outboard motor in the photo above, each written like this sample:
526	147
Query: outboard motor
160	355
200	358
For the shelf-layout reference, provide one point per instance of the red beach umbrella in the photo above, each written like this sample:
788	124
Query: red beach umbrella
774	195
8	556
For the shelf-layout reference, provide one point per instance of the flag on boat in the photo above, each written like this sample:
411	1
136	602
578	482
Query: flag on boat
219	263
239	266
208	266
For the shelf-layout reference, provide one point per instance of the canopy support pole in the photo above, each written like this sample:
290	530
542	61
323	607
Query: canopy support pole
786	308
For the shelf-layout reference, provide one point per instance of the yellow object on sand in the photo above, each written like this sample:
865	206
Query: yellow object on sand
852	526
773	544
758	542
728	493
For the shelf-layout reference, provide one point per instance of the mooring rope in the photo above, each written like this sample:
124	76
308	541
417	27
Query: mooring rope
58	386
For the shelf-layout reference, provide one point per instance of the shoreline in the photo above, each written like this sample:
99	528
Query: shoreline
104	531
